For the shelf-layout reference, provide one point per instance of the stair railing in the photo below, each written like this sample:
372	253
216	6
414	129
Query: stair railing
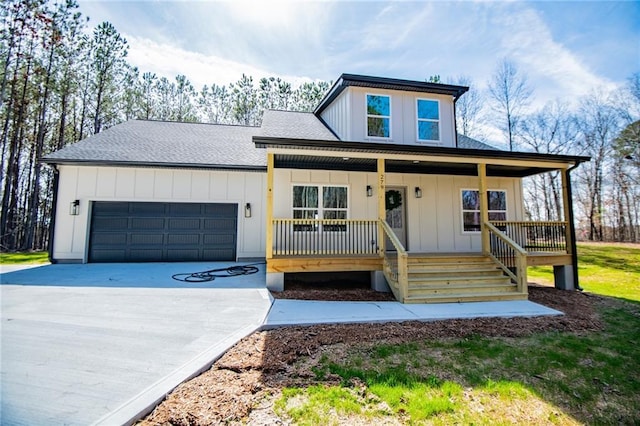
509	256
396	273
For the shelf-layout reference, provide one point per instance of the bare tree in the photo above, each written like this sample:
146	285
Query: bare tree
510	93
469	110
551	130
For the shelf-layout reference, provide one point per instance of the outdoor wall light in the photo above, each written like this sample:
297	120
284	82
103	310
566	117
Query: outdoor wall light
74	208
369	191
247	210
418	192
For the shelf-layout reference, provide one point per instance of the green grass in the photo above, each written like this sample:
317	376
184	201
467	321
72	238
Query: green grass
608	270
35	257
545	378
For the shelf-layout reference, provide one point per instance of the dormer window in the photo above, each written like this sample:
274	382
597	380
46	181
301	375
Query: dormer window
428	120
378	116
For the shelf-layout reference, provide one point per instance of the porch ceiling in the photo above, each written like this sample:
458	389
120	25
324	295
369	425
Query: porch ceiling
312	162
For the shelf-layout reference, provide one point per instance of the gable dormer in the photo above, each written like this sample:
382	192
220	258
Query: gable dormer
388	110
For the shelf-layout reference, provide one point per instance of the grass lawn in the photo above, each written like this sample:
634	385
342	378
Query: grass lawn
24	258
545	378
606	269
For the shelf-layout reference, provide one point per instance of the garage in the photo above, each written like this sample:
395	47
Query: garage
162	232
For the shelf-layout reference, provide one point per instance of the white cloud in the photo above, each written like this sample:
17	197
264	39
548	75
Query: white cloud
553	69
168	61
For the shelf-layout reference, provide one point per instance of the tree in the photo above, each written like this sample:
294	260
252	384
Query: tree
214	104
597	122
551	130
308	95
510	93
245	101
108	52
468	110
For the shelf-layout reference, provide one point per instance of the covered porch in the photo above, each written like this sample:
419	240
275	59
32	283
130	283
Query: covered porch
493	269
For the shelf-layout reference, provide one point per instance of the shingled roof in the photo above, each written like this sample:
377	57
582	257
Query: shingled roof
139	142
294	125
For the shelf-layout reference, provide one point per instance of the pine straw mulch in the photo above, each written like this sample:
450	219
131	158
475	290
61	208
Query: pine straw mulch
263	363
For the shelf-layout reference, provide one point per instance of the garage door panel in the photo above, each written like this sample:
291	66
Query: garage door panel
184	209
115	208
110	238
219	240
148	223
146	239
144	255
184	224
183	255
220	224
111	255
110	223
147	209
147	231
192	239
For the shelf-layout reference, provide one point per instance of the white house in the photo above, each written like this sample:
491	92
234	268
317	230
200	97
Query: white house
375	179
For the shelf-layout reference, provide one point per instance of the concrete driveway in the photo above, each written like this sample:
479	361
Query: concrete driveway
98	343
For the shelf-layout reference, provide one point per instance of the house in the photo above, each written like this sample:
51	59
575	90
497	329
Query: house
375	179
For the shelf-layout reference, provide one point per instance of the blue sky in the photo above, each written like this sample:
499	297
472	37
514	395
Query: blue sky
566	48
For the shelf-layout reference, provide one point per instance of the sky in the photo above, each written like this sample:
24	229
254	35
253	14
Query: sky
566	49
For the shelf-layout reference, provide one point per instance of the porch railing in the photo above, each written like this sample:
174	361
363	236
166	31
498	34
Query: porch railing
395	264
300	237
536	236
509	256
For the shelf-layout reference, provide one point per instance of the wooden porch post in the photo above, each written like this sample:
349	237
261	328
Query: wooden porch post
382	212
269	252
566	200
484	208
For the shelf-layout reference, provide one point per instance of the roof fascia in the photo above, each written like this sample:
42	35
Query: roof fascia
106	163
264	142
347	80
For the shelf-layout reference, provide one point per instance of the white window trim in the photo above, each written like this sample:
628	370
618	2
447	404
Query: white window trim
462	210
320	208
367	115
418	120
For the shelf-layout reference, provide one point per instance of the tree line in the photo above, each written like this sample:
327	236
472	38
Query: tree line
602	124
61	81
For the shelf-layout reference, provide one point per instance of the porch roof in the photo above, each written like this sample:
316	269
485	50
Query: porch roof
362	156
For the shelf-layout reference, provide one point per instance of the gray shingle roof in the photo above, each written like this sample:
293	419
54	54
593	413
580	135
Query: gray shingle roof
470	143
294	125
171	143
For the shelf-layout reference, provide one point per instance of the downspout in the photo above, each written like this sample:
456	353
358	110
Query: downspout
54	207
572	228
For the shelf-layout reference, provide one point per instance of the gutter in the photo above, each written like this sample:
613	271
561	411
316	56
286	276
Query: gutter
54	208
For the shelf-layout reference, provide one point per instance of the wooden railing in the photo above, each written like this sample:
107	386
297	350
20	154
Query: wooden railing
395	265
300	237
536	236
509	256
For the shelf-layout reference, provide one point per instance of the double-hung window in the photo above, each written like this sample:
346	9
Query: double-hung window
320	201
497	202
428	120
379	116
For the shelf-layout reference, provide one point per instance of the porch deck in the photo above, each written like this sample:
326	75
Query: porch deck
499	273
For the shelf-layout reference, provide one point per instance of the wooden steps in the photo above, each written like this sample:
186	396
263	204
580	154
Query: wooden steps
457	278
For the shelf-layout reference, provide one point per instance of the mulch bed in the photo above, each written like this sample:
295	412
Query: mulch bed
263	362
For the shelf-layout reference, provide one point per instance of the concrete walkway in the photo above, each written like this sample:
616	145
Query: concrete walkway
302	312
103	343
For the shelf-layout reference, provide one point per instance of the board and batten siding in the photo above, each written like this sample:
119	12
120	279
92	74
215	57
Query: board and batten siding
434	222
90	183
347	117
338	116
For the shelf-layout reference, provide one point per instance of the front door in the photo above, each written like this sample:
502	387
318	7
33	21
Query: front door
395	205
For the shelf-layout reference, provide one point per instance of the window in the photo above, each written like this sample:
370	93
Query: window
428	119
378	116
314	202
497	201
